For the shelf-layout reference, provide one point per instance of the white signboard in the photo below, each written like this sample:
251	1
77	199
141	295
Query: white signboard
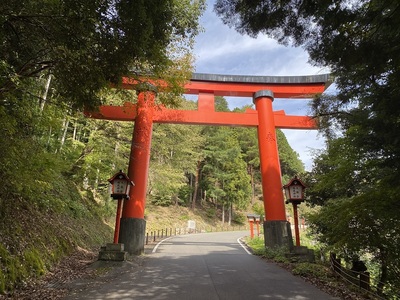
191	224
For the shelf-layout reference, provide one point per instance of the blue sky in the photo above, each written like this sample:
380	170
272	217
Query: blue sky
221	50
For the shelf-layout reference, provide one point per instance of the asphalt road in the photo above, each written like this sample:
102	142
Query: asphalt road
202	266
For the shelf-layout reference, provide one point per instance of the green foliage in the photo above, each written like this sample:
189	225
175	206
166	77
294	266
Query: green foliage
174	156
258	208
2	282
3	271
311	270
33	262
57	57
278	254
33	240
365	224
38	200
94	43
211	212
14	269
224	168
184	217
221	104
257	245
290	162
239	218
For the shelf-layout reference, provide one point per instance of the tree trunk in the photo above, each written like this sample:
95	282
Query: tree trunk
116	147
196	184
230	214
384	273
96	182
49	138
223	214
85	181
253	192
44	97
75	130
64	136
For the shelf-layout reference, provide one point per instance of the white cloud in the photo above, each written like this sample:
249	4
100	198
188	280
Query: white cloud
305	143
221	50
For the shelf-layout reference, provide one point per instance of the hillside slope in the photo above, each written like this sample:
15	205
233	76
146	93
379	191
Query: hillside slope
33	239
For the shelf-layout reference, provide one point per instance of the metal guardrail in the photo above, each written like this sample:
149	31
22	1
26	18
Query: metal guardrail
155	235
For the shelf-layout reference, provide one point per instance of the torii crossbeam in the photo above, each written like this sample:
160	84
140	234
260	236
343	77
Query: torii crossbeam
263	90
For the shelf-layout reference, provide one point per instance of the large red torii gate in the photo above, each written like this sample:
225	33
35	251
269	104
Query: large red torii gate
263	90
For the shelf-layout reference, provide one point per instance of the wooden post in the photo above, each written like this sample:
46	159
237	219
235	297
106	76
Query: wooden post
365	281
296	224
117	221
336	263
251	222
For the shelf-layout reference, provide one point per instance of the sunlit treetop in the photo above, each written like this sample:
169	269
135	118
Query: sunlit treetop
88	45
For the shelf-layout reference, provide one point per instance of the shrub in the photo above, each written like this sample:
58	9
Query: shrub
277	254
239	218
33	262
257	245
310	270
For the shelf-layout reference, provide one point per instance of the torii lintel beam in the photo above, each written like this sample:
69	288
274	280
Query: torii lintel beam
201	116
300	87
207	86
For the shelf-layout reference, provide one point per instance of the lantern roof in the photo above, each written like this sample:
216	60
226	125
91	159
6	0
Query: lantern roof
120	175
295	181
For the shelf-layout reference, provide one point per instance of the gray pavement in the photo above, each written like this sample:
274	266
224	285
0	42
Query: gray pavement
199	266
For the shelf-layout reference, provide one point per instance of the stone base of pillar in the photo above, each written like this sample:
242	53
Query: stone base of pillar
301	254
278	234
112	252
132	234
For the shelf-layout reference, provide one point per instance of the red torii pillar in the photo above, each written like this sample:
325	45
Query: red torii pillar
276	227
133	224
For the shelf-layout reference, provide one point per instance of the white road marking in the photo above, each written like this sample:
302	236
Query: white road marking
159	243
244	247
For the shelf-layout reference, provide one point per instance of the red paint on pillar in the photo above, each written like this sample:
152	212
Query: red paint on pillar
139	159
269	158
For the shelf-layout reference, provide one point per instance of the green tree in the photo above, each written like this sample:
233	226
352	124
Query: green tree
290	162
175	153
358	41
248	141
224	173
88	45
357	214
175	156
221	104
